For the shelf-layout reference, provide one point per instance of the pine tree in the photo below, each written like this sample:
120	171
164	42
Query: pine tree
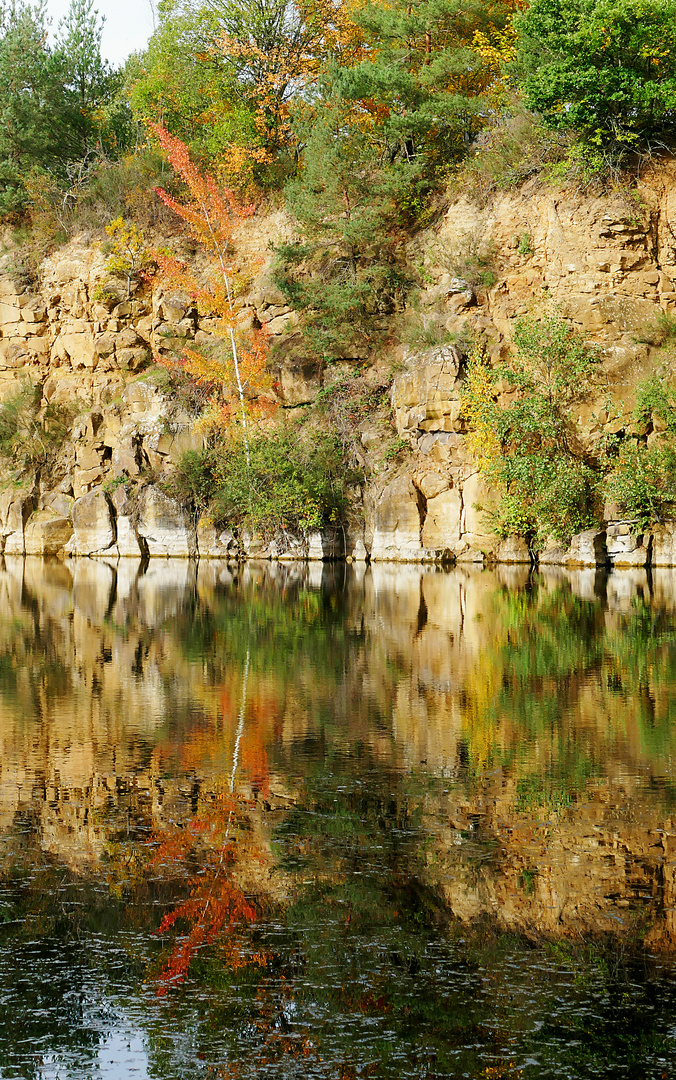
34	127
87	76
425	73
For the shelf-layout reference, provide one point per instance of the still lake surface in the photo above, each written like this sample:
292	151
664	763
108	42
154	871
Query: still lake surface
336	822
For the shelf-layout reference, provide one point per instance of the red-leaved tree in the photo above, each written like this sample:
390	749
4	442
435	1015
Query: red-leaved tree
210	215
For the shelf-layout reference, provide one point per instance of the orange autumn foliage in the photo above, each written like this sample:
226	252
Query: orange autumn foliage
239	377
217	910
290	62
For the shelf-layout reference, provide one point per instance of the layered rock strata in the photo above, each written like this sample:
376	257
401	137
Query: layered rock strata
78	338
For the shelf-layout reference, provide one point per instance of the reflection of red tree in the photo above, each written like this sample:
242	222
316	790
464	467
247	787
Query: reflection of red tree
261	717
214	916
217	910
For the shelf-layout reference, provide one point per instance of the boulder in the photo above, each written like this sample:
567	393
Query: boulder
396	535
627	548
47	533
93	524
165	526
513	549
587	548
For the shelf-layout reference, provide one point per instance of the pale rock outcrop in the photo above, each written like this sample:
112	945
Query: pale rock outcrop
426	397
587	548
442	520
513	549
164	525
47	533
325	544
127	544
215	543
358	552
299	381
93	525
398	523
664	544
625	547
15	509
476	541
553	554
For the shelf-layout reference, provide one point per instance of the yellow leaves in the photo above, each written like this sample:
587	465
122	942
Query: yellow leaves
478	397
293	58
128	256
496	48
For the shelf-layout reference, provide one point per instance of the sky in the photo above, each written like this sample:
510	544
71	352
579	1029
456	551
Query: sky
128	25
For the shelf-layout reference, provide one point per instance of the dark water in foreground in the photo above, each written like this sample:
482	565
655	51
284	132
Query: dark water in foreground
335	823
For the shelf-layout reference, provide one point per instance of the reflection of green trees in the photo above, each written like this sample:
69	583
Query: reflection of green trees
32	670
566	685
283	629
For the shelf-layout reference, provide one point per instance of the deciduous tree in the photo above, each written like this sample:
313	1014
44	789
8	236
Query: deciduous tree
209	215
604	67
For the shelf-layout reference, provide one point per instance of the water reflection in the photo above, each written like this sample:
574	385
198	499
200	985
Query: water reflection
447	850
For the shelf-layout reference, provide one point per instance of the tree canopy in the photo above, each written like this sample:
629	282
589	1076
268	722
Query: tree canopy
606	68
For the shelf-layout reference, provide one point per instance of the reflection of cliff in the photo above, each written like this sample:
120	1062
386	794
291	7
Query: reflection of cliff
529	720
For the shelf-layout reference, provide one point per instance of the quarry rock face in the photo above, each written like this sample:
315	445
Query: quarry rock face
398	523
664	544
165	526
74	335
93	524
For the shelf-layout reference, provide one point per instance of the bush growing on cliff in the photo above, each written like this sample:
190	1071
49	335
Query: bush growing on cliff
643	482
525	439
290	484
642	477
29	437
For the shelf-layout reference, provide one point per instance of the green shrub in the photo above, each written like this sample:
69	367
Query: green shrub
655	398
643	482
291	483
193	482
516	147
527	445
29	438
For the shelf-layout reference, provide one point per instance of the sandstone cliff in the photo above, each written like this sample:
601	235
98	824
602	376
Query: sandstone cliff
608	262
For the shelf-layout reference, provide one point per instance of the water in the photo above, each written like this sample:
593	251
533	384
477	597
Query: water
336	822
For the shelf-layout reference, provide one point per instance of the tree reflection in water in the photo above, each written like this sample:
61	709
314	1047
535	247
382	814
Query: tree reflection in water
285	822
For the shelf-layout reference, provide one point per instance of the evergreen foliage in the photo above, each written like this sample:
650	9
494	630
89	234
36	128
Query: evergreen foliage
57	105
